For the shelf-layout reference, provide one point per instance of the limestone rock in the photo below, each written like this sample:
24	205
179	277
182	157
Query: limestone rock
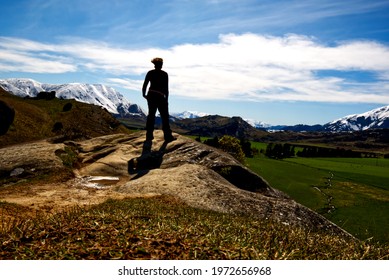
200	175
35	157
124	165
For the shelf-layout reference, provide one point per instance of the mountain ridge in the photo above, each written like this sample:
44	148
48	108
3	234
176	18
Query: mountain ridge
373	119
215	125
116	104
96	94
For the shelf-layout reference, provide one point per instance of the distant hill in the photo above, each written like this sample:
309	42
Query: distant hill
374	119
377	118
215	125
56	119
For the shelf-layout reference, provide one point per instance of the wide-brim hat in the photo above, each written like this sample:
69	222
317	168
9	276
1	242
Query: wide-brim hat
157	60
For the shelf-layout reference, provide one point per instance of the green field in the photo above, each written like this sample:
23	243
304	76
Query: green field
351	192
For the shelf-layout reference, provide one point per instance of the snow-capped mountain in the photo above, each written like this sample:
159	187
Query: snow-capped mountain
96	94
257	124
189	115
377	118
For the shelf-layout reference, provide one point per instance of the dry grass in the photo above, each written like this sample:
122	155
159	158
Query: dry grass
164	228
35	119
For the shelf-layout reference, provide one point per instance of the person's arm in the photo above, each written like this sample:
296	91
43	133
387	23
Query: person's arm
145	83
167	86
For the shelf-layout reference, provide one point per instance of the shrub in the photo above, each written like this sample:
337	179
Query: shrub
232	146
58	126
67	107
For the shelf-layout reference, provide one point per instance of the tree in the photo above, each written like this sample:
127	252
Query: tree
232	146
214	142
246	147
280	151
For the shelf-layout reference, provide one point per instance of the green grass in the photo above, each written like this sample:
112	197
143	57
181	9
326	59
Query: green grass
259	145
292	179
164	228
359	189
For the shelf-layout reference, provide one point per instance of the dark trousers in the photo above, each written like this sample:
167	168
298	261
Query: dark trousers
158	103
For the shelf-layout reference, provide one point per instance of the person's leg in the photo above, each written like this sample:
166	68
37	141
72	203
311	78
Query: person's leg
151	119
163	109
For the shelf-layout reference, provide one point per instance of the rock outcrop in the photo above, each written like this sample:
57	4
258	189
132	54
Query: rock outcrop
7	115
124	165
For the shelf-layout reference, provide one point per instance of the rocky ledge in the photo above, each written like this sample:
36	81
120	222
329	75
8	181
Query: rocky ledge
124	165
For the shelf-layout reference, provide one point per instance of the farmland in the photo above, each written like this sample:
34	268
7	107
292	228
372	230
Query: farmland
351	192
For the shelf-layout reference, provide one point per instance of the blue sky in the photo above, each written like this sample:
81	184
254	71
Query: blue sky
280	62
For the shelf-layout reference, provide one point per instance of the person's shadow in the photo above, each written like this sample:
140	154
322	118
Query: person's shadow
147	161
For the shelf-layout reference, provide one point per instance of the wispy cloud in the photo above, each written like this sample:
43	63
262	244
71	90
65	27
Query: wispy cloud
18	55
246	66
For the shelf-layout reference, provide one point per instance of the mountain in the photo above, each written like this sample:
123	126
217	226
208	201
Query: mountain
377	118
134	116
215	125
196	114
96	94
258	124
189	115
300	128
374	119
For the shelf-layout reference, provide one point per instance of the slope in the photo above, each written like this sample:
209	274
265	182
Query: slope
96	94
215	125
63	119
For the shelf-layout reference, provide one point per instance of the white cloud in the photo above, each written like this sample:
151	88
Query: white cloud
248	66
11	61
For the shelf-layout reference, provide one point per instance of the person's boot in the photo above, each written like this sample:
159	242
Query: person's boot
170	138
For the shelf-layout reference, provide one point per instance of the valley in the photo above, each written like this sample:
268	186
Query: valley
358	188
352	192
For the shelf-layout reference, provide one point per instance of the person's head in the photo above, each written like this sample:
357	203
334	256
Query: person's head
158	62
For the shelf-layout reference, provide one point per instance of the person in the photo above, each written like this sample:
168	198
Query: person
157	99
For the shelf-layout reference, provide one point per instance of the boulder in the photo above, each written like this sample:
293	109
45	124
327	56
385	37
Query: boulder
7	115
200	175
34	159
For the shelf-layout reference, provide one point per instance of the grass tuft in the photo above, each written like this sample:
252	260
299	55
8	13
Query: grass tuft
164	228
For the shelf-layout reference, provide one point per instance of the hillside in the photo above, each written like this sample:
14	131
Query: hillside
215	125
96	94
57	119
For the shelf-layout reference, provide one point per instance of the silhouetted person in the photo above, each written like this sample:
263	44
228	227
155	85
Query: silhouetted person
157	98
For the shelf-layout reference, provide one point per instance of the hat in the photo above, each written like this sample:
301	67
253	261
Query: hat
157	60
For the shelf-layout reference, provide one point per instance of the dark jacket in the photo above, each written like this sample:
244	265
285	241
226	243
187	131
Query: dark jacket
159	82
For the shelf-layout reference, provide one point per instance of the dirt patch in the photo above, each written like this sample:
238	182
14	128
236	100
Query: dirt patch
55	197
